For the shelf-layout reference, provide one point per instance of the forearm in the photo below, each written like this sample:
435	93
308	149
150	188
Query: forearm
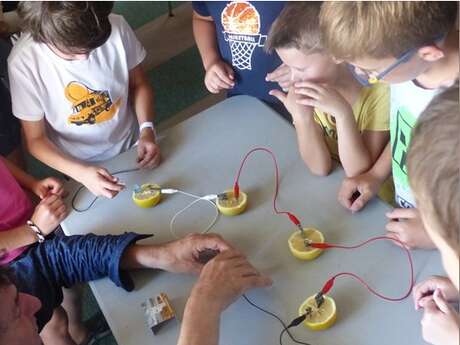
206	40
312	146
47	152
17	237
25	180
200	325
381	169
143	103
354	156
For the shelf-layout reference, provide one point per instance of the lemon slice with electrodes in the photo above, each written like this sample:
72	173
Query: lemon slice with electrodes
147	195
318	317
299	243
229	205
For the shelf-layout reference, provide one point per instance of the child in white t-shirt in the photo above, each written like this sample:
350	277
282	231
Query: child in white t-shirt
77	85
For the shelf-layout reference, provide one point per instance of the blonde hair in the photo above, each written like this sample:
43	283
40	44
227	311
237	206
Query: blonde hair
433	165
381	29
297	27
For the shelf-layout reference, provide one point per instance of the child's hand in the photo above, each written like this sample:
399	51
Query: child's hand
219	76
423	292
406	225
148	152
50	185
281	75
49	213
100	182
323	97
355	192
290	101
440	322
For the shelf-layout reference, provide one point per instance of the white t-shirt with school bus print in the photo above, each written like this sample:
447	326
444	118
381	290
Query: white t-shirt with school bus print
84	102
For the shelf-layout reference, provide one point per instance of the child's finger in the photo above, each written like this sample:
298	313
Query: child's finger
278	73
360	201
309	92
405	213
106	175
224	78
222	84
230	72
306	84
278	94
395	236
441	301
310	102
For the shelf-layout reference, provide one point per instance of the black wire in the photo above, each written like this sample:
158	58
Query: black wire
81	210
285	327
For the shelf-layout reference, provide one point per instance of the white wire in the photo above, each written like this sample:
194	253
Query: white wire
197	199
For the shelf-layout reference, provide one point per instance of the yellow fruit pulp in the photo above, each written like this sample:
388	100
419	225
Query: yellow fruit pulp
319	318
147	196
299	245
230	206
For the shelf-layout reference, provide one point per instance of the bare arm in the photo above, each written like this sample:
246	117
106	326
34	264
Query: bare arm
44	150
97	180
310	139
204	31
25	180
17	237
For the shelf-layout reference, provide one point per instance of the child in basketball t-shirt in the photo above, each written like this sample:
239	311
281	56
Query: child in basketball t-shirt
230	36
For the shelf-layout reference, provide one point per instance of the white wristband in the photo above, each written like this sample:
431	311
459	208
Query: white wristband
148	125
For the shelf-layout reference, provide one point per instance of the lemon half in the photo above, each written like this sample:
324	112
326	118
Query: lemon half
319	318
299	249
148	195
229	205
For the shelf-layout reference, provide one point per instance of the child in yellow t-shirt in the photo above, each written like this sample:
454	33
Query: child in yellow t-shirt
334	116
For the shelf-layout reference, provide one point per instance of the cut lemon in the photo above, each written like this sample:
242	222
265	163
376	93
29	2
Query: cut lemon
147	195
229	205
299	245
319	318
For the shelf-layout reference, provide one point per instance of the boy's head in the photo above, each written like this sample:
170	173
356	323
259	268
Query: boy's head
433	164
295	36
395	40
72	28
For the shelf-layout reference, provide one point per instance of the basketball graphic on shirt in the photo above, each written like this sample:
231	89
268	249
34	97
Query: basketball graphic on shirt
241	18
89	106
241	23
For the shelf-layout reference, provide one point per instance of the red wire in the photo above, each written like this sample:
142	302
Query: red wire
275	209
330	282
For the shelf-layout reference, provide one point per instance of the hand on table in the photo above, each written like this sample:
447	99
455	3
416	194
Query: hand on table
100	182
225	278
49	213
148	152
406	226
423	292
183	255
219	76
355	192
281	75
50	185
440	322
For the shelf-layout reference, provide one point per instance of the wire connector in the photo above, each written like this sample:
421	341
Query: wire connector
168	191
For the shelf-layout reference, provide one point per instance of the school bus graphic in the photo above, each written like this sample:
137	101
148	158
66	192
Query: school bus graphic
89	106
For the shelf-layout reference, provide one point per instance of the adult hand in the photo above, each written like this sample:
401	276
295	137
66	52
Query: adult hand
406	226
49	213
49	185
355	192
225	278
219	76
423	292
440	322
281	75
100	182
148	152
183	256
